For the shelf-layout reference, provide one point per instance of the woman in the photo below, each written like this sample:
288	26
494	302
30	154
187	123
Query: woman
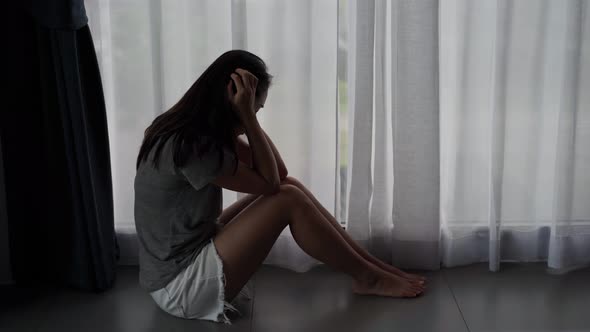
194	257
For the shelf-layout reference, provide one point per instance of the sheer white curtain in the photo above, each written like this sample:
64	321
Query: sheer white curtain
150	52
471	131
468	122
515	131
393	201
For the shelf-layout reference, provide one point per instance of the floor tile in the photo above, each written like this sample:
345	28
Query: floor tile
126	307
521	297
322	300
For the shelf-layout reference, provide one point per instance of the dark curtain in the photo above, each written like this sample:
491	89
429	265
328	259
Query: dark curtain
56	151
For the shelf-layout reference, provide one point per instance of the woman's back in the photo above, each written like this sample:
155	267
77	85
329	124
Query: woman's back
175	212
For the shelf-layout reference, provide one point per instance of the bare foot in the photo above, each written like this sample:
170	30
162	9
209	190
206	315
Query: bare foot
405	275
399	274
387	286
412	277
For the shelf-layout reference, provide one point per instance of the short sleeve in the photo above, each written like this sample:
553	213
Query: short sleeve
202	170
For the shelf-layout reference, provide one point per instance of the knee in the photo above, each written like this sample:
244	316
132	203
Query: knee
292	194
291	180
288	189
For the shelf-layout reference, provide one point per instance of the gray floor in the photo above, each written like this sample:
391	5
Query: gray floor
522	297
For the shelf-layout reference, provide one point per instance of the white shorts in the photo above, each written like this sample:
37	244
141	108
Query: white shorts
198	292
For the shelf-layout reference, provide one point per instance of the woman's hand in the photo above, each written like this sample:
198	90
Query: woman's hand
243	99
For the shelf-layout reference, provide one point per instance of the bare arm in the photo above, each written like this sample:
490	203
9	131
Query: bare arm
263	160
243	151
262	176
280	163
245	155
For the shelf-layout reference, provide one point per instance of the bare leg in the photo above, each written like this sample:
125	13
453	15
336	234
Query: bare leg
245	242
231	211
366	255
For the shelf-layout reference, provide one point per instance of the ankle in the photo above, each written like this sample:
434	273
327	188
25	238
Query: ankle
367	277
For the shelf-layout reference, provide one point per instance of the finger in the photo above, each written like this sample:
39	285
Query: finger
238	81
244	76
243	72
230	92
248	77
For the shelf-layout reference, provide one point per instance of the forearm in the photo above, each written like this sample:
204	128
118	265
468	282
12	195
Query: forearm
263	159
244	152
245	155
282	169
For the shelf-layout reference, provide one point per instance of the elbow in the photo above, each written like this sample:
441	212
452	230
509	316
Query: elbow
273	188
283	175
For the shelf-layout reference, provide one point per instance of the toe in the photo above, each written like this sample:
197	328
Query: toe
418	277
417	289
418	286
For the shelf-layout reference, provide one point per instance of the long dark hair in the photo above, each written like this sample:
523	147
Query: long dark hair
204	110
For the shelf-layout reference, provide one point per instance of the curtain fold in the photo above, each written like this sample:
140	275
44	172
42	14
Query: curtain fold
515	132
477	108
56	155
393	203
69	71
5	268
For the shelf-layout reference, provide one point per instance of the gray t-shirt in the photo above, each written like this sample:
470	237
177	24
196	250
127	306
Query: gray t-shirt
176	210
